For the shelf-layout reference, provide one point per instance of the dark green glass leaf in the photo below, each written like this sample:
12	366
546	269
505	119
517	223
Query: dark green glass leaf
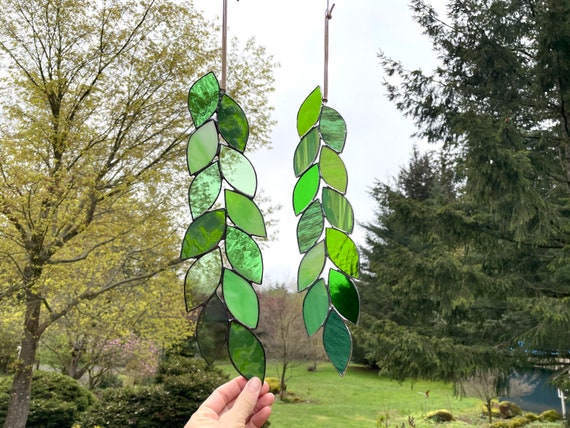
203	234
246	352
311	266
309	111
202	278
244	255
315	307
344	295
306	189
338	342
310	226
212	329
333	129
238	171
306	151
203	98
240	299
233	123
204	190
202	147
245	214
333	170
338	210
342	251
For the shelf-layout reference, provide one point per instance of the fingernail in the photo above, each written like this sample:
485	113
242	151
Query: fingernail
253	384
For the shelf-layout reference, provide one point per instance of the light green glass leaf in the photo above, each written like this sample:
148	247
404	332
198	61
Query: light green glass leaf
306	189
342	251
203	234
338	210
240	299
344	295
310	226
309	111
315	307
244	255
202	278
204	190
238	171
246	352
311	266
233	123
202	147
333	129
245	214
338	342
203	98
306	151
212	329
333	170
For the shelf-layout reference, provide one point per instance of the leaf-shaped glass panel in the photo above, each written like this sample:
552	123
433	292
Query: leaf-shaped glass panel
338	342
344	295
245	214
244	255
342	251
333	170
315	307
333	129
311	266
310	226
233	123
202	278
204	190
309	111
240	299
306	189
203	234
306	151
203	98
202	147
246	352
338	210
238	171
212	329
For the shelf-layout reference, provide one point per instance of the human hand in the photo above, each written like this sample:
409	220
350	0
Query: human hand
236	404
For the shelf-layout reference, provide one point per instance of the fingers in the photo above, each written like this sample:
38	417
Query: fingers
246	401
224	395
258	419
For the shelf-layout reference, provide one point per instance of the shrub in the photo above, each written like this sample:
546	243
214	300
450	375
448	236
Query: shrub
550	416
440	416
274	384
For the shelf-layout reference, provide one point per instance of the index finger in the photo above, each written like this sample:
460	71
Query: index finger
225	394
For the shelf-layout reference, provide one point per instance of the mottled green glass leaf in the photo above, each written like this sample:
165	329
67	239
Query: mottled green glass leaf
310	226
204	190
202	278
245	214
338	342
306	189
338	210
212	329
342	251
311	266
203	234
344	295
333	129
244	254
233	123
203	98
306	151
333	170
240	298
246	352
202	147
238	171
315	307
309	111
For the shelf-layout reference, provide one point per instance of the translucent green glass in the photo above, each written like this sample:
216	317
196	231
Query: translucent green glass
245	214
310	226
246	353
309	111
202	147
203	98
338	210
203	234
204	190
306	151
244	255
315	307
344	296
333	170
202	278
311	266
240	299
306	189
333	129
238	171
212	329
337	341
233	123
342	251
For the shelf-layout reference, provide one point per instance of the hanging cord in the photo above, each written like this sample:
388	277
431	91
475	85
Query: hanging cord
328	17
224	45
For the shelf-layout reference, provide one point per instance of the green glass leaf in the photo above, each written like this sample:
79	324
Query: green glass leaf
338	210
233	123
342	251
245	214
212	329
309	111
238	171
315	307
244	255
240	299
333	170
306	189
338	342
204	190
310	226
311	266
203	98
202	278
202	147
306	151
344	295
246	352
203	234
333	129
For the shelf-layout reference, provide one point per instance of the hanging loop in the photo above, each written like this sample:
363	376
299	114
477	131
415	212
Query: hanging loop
224	45
328	17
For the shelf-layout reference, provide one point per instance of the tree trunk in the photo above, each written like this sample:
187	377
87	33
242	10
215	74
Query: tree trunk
282	384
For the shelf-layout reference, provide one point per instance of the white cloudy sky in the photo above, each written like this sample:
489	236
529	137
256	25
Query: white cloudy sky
379	139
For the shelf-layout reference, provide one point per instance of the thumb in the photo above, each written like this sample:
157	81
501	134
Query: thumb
246	400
